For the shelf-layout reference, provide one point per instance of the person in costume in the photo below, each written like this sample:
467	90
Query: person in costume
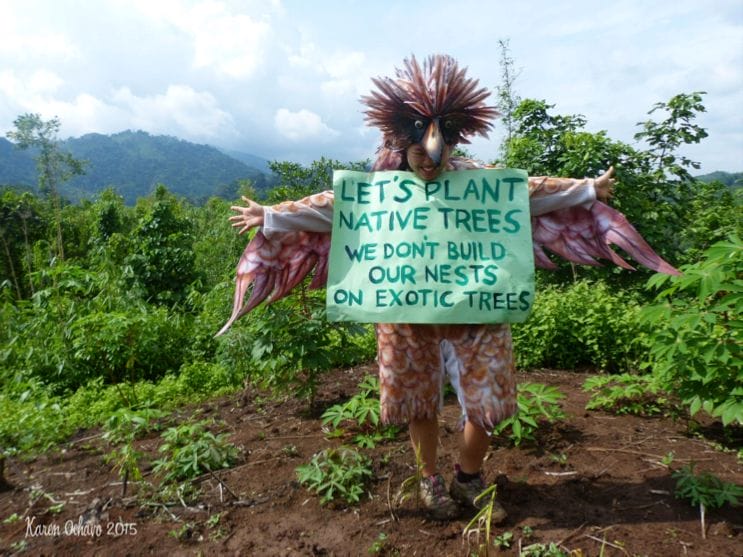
423	113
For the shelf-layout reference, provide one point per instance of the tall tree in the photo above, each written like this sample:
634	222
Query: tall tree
507	98
54	165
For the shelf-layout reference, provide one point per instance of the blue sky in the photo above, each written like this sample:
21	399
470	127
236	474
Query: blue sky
281	79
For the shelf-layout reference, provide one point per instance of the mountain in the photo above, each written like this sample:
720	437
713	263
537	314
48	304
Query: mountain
727	178
134	162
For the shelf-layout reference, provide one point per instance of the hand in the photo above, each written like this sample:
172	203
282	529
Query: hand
604	185
248	217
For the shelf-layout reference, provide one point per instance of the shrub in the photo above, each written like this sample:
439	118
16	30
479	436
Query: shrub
584	324
696	332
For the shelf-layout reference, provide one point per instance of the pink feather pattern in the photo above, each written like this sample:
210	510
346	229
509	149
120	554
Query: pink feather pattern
582	235
275	266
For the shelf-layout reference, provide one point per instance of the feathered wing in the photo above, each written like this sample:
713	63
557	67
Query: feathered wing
274	266
584	235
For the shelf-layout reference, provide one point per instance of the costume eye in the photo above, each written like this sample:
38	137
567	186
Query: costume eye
448	124
418	124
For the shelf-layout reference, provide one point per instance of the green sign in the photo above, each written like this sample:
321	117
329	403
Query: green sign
454	250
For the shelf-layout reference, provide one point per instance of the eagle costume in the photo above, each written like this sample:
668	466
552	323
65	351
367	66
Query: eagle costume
435	106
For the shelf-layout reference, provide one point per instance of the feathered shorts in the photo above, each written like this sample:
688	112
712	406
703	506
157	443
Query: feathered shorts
476	359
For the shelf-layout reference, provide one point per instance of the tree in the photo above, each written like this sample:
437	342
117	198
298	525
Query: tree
507	99
21	225
54	165
297	181
162	258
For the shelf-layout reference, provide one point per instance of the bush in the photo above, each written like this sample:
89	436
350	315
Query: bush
584	324
696	332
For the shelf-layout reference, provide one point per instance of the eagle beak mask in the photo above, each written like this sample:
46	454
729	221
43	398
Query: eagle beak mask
433	141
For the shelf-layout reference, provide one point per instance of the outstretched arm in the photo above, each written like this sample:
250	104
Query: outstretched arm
310	214
548	194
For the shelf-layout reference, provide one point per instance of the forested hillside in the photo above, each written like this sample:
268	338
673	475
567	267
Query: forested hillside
727	178
135	162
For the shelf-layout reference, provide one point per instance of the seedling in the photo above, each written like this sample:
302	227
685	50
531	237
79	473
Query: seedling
504	540
191	450
536	402
411	486
481	521
336	473
705	490
380	544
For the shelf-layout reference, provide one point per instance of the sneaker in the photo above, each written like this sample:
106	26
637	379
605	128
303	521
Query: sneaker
465	494
436	500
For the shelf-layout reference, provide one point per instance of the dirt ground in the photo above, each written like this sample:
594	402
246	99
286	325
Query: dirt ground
593	482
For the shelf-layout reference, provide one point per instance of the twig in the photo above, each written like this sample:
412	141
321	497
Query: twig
572	473
167	510
639	507
224	485
389	499
88	438
570	535
659	457
295	436
250	502
604	541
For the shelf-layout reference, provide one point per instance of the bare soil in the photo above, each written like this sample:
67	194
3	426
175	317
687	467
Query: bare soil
594	482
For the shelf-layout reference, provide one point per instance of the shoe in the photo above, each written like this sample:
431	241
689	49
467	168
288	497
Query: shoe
465	494
436	499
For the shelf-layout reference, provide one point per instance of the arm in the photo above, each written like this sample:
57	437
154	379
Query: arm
310	214
549	194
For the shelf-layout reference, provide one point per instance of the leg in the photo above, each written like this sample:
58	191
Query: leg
475	445
424	435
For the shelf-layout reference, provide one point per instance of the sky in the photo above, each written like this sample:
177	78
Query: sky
282	79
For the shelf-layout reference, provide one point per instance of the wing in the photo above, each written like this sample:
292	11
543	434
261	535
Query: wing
582	235
274	266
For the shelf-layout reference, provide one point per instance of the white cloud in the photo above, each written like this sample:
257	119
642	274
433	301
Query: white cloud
192	113
25	41
229	44
302	125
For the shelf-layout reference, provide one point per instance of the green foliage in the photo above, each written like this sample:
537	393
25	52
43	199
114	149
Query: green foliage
54	165
705	489
339	473
543	550
654	189
504	540
297	181
380	545
696	332
583	324
191	450
163	258
22	224
536	403
126	424
640	395
293	344
362	408
362	411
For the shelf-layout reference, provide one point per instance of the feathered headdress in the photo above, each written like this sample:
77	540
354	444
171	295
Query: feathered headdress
439	91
